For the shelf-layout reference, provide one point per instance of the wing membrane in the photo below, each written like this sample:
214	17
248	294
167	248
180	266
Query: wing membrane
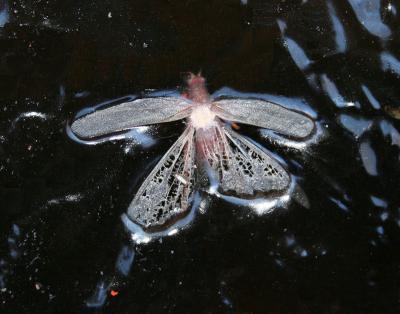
131	114
265	114
166	193
241	166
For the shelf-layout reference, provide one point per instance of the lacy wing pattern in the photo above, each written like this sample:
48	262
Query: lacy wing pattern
167	192
241	166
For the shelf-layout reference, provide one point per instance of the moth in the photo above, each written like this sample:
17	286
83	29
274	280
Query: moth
209	145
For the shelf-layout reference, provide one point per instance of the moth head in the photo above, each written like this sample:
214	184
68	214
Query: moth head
194	81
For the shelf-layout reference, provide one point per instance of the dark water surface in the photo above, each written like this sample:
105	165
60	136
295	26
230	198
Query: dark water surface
63	248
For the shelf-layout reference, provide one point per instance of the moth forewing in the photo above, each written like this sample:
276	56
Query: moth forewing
265	114
131	114
167	192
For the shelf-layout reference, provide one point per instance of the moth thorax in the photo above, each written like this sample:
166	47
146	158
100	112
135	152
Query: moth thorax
202	117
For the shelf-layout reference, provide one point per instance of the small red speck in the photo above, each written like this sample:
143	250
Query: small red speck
114	293
235	126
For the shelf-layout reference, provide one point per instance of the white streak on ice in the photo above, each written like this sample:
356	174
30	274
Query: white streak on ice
368	158
355	125
369	15
340	35
374	102
390	63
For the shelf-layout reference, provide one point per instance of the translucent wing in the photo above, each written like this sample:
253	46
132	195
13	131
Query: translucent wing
131	114
265	114
240	165
166	193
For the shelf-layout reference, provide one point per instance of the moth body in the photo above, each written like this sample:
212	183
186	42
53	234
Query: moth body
202	117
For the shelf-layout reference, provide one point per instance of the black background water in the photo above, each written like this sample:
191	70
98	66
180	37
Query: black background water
60	201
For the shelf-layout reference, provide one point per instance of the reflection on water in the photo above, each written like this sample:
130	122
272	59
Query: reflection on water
297	53
368	158
355	124
390	63
369	15
333	249
4	16
373	101
340	34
